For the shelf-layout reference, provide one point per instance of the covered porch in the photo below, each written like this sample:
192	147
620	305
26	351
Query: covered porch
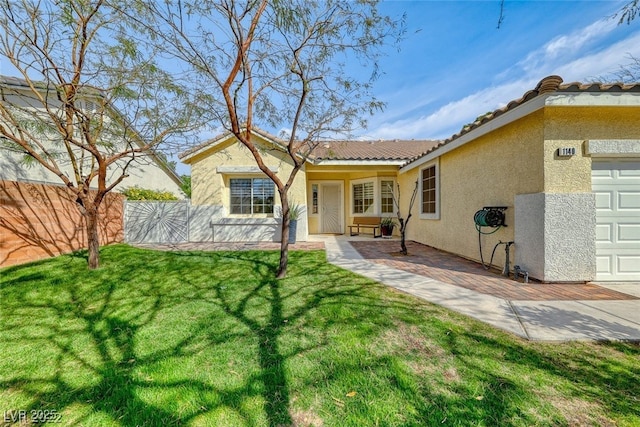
339	193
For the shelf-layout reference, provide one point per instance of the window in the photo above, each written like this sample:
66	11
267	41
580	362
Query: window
386	196
251	196
314	198
429	191
363	197
373	196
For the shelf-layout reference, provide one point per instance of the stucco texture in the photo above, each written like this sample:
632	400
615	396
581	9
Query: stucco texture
488	171
210	187
521	158
211	199
571	127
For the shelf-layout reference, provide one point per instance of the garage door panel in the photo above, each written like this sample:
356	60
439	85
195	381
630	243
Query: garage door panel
629	170
604	200
629	200
629	233
601	170
616	185
603	265
604	233
628	264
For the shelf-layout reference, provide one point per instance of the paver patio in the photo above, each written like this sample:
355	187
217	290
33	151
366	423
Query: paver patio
454	270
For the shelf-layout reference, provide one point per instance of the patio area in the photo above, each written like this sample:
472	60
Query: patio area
451	269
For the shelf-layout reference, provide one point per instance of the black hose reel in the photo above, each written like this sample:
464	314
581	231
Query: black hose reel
490	216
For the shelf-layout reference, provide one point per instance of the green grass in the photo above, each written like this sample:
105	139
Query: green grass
211	339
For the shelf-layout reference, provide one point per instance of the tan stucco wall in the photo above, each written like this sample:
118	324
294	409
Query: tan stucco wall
212	188
519	158
571	127
489	171
345	175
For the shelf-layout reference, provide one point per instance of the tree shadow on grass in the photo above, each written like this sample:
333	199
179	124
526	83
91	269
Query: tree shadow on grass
587	372
156	338
89	324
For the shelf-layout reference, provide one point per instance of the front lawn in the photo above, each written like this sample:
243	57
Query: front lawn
211	339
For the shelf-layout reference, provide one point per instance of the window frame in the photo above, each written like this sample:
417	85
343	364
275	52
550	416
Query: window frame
394	189
252	197
436	214
376	181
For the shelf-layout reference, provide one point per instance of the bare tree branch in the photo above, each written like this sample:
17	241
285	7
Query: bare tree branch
91	100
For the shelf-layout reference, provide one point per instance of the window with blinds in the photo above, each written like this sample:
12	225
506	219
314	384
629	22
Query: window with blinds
386	196
251	196
362	197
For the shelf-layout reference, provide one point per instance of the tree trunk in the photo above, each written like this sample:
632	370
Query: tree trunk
284	237
403	230
403	245
93	237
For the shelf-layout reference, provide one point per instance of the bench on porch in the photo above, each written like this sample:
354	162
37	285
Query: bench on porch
372	222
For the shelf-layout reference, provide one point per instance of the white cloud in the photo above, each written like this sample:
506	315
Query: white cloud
601	63
561	56
578	39
561	49
449	118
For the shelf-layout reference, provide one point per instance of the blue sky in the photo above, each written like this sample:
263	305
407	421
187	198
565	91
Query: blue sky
455	64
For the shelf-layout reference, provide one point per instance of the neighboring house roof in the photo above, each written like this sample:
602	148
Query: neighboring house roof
337	150
20	84
549	85
14	81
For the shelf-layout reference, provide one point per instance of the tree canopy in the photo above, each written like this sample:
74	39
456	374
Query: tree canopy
303	67
91	99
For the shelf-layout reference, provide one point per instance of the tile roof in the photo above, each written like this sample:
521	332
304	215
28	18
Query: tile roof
400	150
12	81
549	84
372	150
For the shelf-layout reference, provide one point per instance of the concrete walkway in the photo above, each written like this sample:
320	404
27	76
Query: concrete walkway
600	320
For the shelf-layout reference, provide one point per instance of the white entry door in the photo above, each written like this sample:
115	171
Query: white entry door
616	185
331	208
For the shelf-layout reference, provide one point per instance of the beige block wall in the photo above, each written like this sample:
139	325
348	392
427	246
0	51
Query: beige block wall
489	171
41	221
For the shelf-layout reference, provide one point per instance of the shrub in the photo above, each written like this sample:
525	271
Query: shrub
137	193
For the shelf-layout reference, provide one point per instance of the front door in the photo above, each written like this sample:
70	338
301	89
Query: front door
331	208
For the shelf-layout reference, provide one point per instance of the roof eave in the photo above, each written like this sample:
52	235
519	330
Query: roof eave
500	121
188	155
360	162
552	99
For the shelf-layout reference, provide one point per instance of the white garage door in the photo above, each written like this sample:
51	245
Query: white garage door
617	188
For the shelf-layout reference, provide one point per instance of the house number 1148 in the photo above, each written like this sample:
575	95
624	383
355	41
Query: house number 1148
566	151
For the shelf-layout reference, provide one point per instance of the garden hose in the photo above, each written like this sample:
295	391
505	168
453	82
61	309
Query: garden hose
487	267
